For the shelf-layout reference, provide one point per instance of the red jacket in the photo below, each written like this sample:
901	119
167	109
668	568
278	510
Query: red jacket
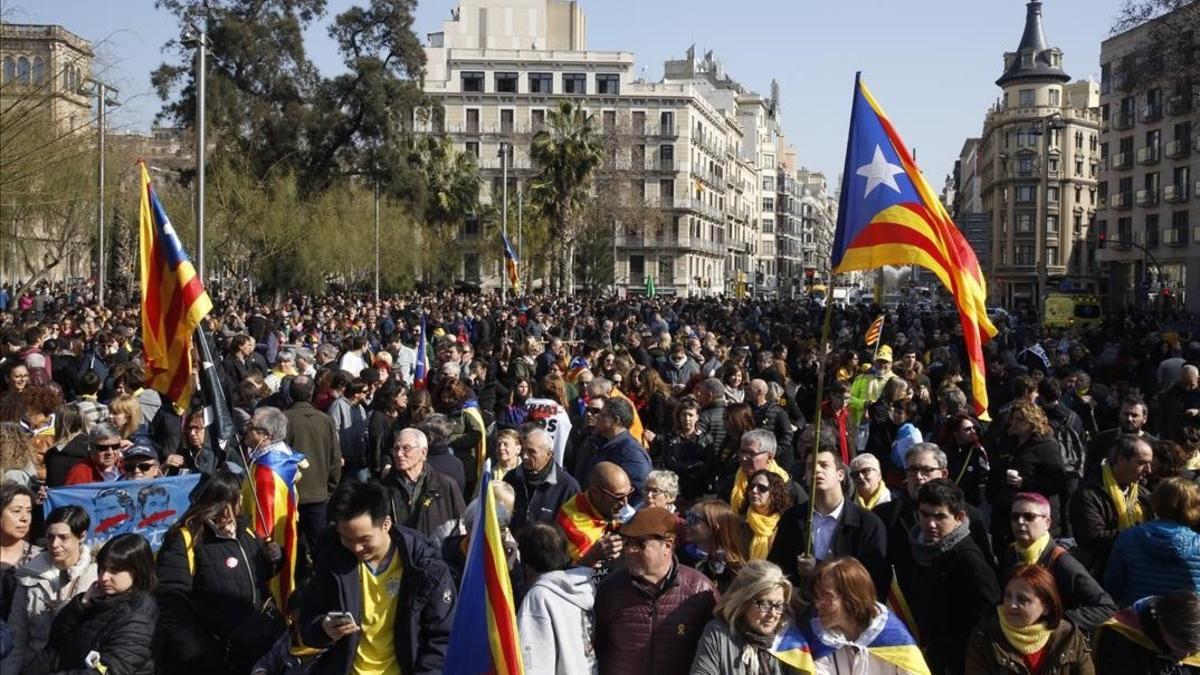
840	419
84	472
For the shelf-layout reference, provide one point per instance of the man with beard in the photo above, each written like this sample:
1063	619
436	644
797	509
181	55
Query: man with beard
1131	421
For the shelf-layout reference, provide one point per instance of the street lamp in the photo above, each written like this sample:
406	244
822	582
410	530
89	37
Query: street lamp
103	102
194	36
504	152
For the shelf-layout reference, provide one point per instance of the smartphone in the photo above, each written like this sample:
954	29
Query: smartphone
341	618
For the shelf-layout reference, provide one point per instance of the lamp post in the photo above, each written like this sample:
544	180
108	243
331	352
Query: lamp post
505	148
198	38
376	185
102	90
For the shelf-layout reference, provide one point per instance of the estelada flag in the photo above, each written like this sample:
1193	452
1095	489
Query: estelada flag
421	370
272	504
889	215
173	301
875	331
798	646
510	263
483	638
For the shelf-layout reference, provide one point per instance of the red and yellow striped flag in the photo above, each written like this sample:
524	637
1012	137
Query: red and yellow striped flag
173	301
875	331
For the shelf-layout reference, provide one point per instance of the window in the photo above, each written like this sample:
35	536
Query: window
1179	223
1025	165
666	192
9	72
1024	222
1151	229
1052	165
1079	167
1052	256
1022	138
1077	225
472	81
639	122
1025	99
541	83
472	148
574	83
1105	78
506	83
1026	193
768	225
506	121
1054	94
1052	194
537	120
1023	255
473	120
666	123
22	70
666	271
768	183
1078	194
39	70
1052	224
608	121
607	83
769	204
666	153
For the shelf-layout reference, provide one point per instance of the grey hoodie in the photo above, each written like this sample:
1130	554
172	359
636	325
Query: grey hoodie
556	623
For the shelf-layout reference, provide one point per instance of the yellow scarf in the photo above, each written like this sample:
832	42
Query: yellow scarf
1028	640
1129	512
1030	555
762	529
869	504
737	499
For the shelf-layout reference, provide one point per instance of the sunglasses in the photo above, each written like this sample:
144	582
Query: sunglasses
760	487
620	498
862	473
139	467
969	430
593	411
1024	517
107	447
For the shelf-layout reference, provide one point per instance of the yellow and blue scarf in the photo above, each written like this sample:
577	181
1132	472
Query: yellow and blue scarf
1128	622
799	647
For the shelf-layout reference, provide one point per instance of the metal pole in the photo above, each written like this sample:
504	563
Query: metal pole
201	146
520	212
503	214
101	92
377	241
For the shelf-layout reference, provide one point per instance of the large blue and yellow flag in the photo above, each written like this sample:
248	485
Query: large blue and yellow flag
270	500
799	647
484	638
173	301
511	263
889	215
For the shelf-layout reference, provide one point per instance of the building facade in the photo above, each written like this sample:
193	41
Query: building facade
1149	193
1039	161
47	67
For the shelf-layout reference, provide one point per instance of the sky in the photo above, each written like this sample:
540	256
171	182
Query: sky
931	64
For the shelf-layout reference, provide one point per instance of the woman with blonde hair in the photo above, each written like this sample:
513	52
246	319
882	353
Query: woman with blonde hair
748	617
1031	463
126	414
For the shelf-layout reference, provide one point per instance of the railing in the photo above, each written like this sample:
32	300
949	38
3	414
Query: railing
1175	236
1120	200
1146	197
1175	193
1176	148
1151	113
1147	155
1179	105
1121	160
1123	120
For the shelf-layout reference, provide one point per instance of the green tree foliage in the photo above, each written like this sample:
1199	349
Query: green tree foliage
565	153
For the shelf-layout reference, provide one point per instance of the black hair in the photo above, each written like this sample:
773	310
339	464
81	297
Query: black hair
1125	446
1049	389
838	389
129	553
353	499
543	548
1178	615
209	499
301	388
942	492
9	491
75	517
88	383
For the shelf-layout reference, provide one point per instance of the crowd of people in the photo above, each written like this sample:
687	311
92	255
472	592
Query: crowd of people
683	486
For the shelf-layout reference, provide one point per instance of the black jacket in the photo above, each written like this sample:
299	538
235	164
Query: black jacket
1118	654
775	419
448	465
539	503
424	604
219	606
1094	522
59	461
949	597
712	422
899	517
1039	461
860	534
691	458
1087	605
435	500
120	628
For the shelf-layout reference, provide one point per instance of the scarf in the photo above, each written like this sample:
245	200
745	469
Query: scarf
924	553
737	499
762	530
869	504
756	654
1028	640
1031	555
535	479
1129	509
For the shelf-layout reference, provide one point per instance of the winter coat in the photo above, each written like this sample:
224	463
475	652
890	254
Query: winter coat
539	503
1153	558
448	465
556	624
624	451
311	433
1094	523
720	653
424	604
350	420
120	628
40	592
651	630
218	608
679	375
859	534
279	659
60	460
899	517
989	652
712	422
773	418
1085	602
1119	654
1039	462
436	500
689	457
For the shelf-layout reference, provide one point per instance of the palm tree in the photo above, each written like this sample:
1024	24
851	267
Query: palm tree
451	194
566	153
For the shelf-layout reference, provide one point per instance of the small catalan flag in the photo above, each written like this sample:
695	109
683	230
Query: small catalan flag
875	331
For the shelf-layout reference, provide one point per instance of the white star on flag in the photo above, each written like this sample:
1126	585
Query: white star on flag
879	172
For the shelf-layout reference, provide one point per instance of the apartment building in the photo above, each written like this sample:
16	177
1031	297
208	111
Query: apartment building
1149	190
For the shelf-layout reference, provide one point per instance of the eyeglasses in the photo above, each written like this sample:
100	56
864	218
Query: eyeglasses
760	487
406	448
924	471
768	607
862	473
108	447
751	454
654	492
1024	516
140	467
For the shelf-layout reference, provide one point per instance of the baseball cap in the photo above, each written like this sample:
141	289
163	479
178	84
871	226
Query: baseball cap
140	450
650	522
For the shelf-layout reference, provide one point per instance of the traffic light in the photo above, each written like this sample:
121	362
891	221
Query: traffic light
1101	240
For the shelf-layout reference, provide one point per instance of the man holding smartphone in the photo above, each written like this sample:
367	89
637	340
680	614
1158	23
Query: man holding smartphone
381	599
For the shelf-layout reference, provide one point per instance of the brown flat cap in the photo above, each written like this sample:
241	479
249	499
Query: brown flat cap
650	522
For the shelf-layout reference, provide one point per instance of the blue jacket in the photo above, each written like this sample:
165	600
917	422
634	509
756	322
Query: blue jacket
1152	559
627	453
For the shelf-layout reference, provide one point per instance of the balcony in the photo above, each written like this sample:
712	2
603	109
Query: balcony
1121	160
1173	236
1179	105
662	166
1122	120
1148	154
1175	194
662	132
1120	200
1146	198
1177	148
1150	113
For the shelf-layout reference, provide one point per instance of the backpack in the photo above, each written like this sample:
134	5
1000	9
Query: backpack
1071	447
